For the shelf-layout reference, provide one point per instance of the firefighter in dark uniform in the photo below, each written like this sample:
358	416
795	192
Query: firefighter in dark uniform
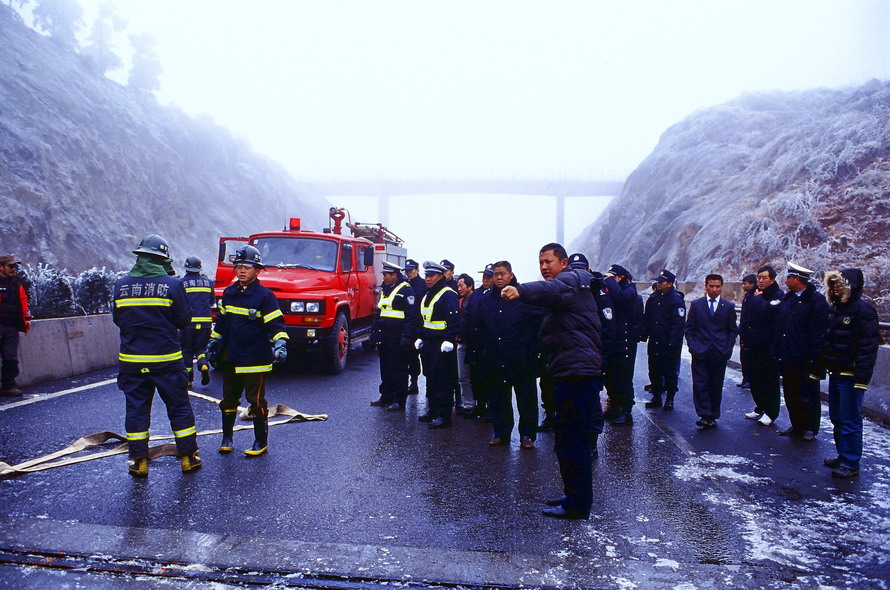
394	331
419	286
150	307
621	353
665	321
440	314
194	339
248	337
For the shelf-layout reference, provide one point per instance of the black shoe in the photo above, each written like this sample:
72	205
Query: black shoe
790	431
11	391
844	472
439	423
647	387
808	435
611	413
497	441
379	403
711	423
668	404
425	418
555	501
624	419
548	424
563	513
832	463
395	407
654	403
413	389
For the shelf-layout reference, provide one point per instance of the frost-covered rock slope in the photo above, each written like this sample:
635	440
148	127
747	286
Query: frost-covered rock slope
87	168
766	178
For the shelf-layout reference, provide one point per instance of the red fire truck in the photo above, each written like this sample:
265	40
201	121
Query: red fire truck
326	282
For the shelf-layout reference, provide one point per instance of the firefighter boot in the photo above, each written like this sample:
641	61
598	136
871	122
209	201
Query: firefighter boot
669	402
138	467
655	402
191	373
261	436
205	372
594	450
190	462
228	431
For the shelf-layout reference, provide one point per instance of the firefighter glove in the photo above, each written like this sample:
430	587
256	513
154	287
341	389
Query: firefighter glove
447	346
279	350
212	353
418	344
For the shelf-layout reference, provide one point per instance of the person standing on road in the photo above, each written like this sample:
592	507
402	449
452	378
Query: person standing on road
510	332
622	354
194	339
711	331
749	287
394	331
465	289
800	331
570	337
419	286
15	317
249	319
435	342
757	331
150	307
469	334
849	353
665	319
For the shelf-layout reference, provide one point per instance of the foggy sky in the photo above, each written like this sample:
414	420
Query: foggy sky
408	89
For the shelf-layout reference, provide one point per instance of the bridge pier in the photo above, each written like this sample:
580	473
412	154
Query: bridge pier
560	219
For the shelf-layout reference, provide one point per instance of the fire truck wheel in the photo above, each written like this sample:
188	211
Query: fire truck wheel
336	349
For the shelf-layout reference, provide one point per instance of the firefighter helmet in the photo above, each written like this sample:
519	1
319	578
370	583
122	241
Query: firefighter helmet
155	245
248	255
192	264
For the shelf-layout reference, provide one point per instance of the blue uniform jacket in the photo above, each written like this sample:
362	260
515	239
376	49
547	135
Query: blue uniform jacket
199	290
150	312
249	321
800	327
508	332
625	332
445	310
665	320
757	325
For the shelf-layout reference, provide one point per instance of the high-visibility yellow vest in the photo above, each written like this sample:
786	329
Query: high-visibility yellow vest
385	304
427	311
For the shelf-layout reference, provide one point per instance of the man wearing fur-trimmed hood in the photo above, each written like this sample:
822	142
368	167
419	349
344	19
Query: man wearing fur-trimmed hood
848	354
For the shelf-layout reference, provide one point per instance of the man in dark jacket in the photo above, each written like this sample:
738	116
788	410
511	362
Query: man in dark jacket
665	319
757	331
150	307
570	337
509	330
419	286
194	339
249	319
621	349
435	341
394	331
800	330
711	331
14	318
849	353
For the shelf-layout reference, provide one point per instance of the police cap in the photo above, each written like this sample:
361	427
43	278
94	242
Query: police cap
488	270
411	264
430	267
446	264
796	270
578	261
390	267
666	275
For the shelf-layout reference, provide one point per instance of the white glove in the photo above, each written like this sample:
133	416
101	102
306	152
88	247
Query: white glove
418	344
447	346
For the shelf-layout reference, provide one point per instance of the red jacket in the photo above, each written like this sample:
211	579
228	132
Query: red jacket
14	304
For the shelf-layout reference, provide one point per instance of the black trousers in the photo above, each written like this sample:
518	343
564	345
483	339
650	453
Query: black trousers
708	372
578	413
763	377
502	406
393	373
252	385
801	397
139	390
548	394
9	351
619	380
193	341
439	369
664	372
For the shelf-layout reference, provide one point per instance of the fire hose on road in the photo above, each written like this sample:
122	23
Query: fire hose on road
164	450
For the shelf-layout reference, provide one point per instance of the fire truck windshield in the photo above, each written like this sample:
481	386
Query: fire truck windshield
290	252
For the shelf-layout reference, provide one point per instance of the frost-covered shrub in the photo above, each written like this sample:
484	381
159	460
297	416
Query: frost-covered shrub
94	290
49	292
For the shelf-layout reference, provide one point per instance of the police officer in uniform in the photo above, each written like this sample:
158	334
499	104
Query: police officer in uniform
450	281
621	352
249	319
394	331
419	286
665	321
150	307
194	339
439	310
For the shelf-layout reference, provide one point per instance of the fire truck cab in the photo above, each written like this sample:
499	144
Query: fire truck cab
326	282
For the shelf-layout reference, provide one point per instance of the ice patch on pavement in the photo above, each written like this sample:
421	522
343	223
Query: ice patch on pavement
717	468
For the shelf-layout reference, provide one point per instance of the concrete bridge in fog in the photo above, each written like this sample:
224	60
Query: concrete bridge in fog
601	185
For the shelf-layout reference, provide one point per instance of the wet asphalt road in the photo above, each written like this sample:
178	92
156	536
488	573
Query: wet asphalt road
371	496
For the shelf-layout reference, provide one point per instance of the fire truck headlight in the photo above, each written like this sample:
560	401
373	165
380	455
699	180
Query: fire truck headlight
297	307
312	307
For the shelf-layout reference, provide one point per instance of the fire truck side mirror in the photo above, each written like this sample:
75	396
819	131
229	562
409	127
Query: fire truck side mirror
369	257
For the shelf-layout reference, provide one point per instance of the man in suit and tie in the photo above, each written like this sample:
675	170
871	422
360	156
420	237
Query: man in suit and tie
711	331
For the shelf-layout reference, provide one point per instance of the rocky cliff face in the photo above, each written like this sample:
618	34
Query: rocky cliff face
87	168
763	179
